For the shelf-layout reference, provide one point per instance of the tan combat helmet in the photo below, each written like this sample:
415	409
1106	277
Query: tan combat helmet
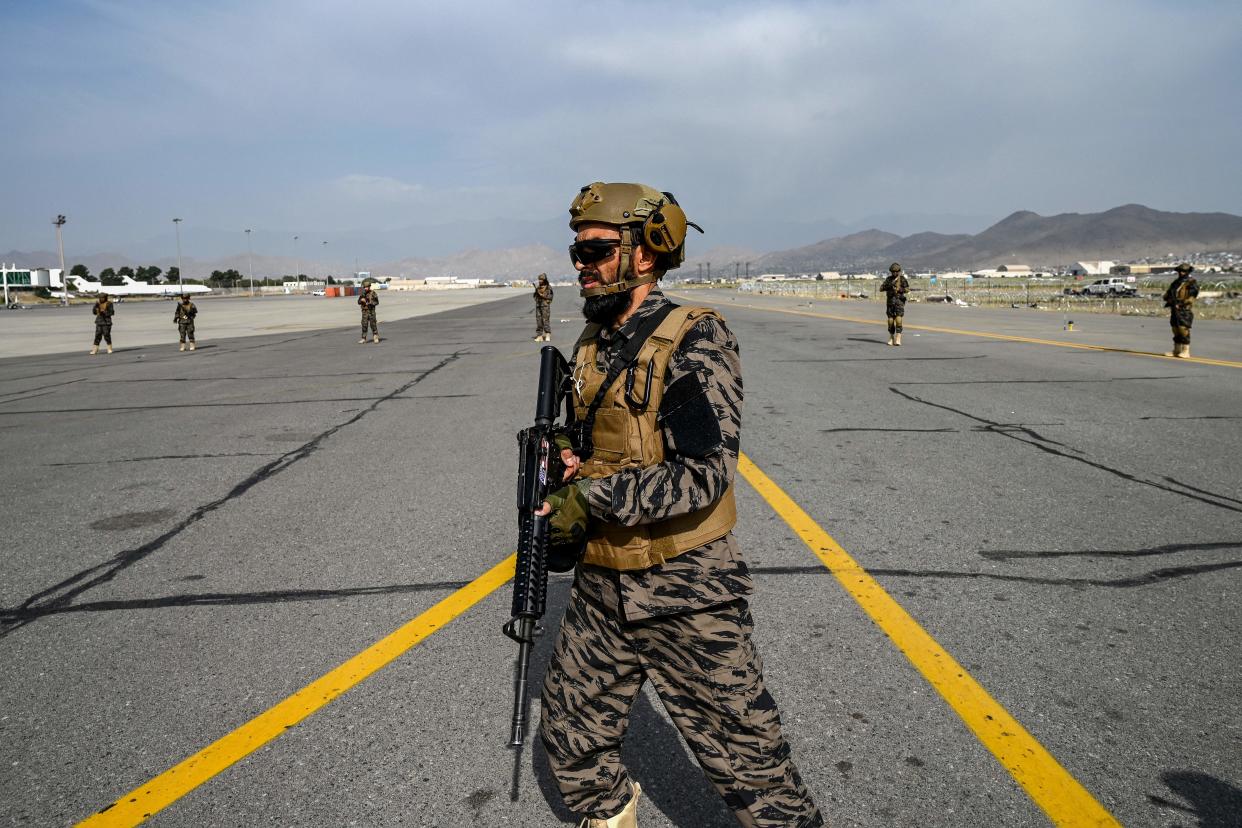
1184	268
894	268
656	217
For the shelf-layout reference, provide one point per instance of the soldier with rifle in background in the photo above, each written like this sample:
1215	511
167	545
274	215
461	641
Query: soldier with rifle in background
1180	300
184	317
103	310
543	309
896	286
367	300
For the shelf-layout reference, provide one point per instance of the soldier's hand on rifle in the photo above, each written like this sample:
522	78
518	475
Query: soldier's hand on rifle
572	464
569	514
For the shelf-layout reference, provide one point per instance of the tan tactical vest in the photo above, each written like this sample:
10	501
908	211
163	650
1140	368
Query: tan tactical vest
626	437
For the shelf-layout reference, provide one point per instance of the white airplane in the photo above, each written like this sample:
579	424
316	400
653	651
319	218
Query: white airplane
133	287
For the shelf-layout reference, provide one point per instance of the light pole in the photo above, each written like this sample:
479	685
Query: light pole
297	277
250	261
324	262
60	245
180	275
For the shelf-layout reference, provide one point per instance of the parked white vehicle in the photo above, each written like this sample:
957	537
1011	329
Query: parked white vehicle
1109	287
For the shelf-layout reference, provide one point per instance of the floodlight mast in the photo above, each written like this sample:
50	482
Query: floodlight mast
180	275
60	245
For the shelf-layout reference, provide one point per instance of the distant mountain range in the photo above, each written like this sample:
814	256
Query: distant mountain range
1121	234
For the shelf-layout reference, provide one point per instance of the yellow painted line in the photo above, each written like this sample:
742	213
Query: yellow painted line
1059	343
176	782
1061	796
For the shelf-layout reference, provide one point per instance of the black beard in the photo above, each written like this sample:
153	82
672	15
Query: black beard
605	308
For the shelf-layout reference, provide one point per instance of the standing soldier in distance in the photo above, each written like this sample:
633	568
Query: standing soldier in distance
103	310
543	309
896	286
367	300
1180	300
184	317
661	591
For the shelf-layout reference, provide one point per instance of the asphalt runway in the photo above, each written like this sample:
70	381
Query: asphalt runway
193	539
51	329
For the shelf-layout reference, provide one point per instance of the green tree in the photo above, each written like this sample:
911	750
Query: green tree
224	278
80	271
150	274
125	271
174	273
108	276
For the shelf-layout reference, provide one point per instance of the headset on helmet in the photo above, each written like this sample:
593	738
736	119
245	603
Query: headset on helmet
658	218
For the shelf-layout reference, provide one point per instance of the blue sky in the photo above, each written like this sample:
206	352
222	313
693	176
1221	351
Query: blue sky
381	126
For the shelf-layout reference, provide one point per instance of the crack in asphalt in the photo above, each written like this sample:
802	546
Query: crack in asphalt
1154	577
1164	549
166	457
1050	447
64	592
224	599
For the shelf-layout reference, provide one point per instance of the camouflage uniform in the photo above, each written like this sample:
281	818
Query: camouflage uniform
684	624
103	321
896	286
184	317
367	301
1180	299
543	309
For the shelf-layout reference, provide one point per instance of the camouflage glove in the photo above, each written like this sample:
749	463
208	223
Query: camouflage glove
568	520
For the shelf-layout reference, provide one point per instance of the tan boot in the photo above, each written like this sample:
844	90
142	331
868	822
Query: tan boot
362	341
191	346
891	338
375	339
897	340
109	347
182	348
1184	353
94	350
628	818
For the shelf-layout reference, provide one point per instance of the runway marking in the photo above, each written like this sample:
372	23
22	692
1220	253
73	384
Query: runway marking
174	783
1060	795
1082	346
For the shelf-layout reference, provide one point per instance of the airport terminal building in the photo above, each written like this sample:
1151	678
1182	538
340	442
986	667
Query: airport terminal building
26	277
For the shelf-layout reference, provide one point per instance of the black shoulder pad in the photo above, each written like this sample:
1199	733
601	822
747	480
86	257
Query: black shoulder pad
688	414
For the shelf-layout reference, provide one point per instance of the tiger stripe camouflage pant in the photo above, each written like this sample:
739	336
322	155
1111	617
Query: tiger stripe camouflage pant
186	330
368	319
103	332
707	673
543	317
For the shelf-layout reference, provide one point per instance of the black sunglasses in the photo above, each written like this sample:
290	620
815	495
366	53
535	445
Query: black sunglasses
590	251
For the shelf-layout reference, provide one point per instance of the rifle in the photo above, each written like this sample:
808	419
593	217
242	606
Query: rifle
540	471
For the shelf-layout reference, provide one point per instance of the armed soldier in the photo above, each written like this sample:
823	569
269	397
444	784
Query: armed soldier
1180	300
184	317
543	309
896	286
661	590
103	310
367	300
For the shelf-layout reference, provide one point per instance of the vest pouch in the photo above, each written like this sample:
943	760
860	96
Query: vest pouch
610	437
